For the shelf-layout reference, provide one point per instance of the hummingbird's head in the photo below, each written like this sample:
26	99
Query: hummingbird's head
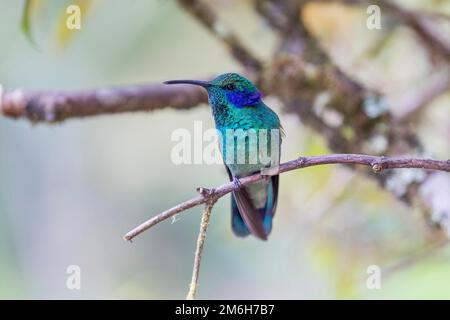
228	89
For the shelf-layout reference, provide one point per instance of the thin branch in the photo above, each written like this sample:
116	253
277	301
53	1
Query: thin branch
415	257
416	102
419	21
377	164
57	106
199	250
207	17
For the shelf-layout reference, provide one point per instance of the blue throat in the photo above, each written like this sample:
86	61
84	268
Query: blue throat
242	99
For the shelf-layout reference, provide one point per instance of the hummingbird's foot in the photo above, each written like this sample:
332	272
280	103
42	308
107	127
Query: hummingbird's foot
237	183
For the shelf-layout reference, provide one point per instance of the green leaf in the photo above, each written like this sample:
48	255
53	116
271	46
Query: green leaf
26	20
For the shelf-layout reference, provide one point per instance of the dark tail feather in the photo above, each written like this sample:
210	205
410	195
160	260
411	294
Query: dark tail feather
271	204
252	216
238	224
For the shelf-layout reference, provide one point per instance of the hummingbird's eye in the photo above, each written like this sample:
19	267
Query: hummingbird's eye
230	87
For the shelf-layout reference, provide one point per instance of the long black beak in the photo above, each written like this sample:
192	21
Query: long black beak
204	84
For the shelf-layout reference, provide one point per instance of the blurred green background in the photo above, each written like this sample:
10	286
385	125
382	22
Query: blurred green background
69	192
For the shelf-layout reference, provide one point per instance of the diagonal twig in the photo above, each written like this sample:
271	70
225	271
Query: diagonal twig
415	257
208	18
416	102
421	22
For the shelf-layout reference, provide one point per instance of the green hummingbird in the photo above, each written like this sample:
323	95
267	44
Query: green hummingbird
239	112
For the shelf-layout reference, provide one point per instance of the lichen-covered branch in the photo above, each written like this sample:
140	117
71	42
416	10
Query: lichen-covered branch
57	106
378	164
352	117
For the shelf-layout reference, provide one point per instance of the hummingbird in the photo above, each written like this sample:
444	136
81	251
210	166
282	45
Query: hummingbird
237	106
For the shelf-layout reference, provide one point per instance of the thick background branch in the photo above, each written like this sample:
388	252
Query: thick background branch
56	106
